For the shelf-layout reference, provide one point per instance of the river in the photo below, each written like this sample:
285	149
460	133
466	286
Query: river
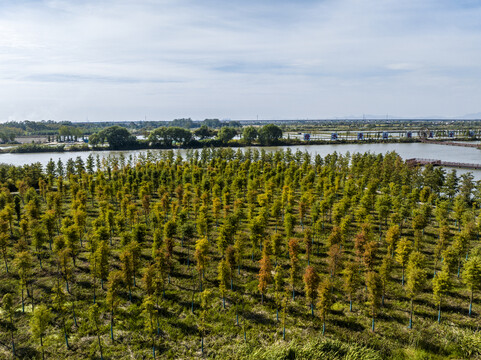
405	150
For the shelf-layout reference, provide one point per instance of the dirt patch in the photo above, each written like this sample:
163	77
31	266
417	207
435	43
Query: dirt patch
29	139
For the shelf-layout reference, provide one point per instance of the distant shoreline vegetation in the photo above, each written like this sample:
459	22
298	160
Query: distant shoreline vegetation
217	134
197	144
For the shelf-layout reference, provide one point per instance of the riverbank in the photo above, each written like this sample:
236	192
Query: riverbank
196	144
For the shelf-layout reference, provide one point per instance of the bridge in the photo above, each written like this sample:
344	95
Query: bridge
450	143
423	162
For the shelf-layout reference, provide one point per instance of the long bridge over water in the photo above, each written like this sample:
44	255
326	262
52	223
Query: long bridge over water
450	143
422	162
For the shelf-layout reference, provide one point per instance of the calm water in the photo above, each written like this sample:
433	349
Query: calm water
406	151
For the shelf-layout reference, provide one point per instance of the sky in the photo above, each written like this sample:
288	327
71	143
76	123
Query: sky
108	60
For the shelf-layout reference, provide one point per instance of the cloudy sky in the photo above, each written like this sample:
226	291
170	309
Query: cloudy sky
238	59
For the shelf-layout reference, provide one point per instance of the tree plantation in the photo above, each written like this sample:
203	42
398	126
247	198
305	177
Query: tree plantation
239	255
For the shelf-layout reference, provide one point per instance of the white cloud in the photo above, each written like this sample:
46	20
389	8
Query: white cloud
121	60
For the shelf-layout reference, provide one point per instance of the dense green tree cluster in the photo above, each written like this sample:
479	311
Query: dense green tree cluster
116	136
179	257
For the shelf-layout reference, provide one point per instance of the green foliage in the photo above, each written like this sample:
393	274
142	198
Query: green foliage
324	297
116	136
441	284
226	133
145	246
166	136
472	273
269	134
249	134
314	349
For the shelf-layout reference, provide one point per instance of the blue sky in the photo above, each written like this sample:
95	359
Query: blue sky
124	60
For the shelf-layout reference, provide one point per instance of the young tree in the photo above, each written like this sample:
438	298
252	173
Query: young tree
201	251
324	301
204	303
95	324
278	288
161	264
351	280
442	243
373	285
23	261
335	237
289	224
385	274
9	310
392	237
294	262
308	244
224	238
135	256
416	277
223	275
58	303
38	325
265	276
4	248
149	314
38	240
230	257
48	220
276	245
127	270
369	255
311	284
441	285
403	250
102	260
334	258
115	282
148	279
472	277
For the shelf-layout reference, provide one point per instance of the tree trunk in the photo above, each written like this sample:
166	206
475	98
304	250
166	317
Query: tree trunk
13	341
41	346
73	313
439	312
100	346
471	302
112	323
66	336
411	314
6	263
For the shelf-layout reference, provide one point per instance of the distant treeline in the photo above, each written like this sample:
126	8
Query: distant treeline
68	128
186	132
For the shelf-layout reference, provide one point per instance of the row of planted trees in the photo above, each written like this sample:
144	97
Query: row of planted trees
127	251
